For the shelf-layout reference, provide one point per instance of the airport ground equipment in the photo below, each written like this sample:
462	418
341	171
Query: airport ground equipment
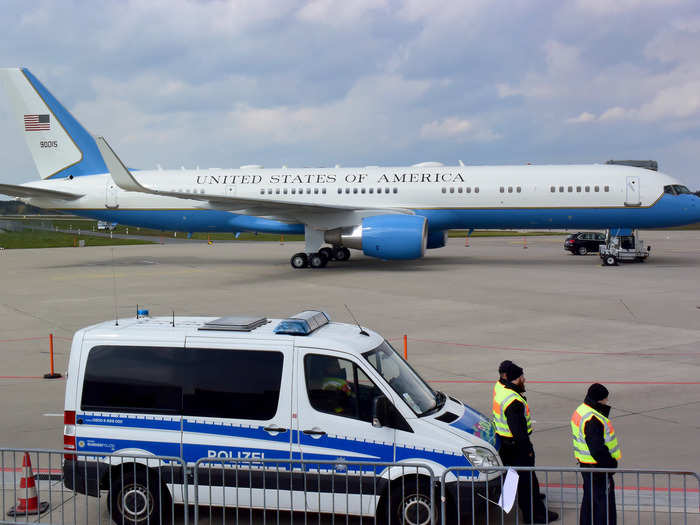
623	246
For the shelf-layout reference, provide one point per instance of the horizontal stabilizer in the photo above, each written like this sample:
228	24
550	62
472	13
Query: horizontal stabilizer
27	192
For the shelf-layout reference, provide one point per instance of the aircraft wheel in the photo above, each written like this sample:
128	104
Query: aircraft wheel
327	252
299	260
318	260
341	253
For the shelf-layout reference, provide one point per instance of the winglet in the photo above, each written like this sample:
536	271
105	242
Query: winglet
120	173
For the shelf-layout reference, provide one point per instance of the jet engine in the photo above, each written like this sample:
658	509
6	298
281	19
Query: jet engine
385	236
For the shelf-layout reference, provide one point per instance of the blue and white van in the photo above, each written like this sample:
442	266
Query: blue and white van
258	389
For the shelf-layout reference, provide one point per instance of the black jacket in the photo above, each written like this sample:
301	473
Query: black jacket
594	431
515	416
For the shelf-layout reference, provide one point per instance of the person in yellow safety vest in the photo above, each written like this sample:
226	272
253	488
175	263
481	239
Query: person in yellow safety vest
596	446
511	417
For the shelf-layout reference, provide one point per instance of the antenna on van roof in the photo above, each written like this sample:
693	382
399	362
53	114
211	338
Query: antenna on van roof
173	321
362	332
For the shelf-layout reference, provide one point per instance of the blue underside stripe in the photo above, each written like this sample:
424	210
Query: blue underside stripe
668	211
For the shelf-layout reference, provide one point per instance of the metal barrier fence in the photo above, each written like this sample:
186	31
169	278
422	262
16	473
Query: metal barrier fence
272	490
578	495
48	486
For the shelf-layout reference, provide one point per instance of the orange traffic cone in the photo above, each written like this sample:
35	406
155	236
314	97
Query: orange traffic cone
466	241
524	243
30	503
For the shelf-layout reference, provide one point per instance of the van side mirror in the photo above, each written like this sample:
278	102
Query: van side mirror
380	411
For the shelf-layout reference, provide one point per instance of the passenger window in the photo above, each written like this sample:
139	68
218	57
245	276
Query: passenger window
269	191
452	190
315	191
578	189
379	190
444	190
133	379
552	189
502	189
323	190
339	387
396	190
561	189
294	191
459	190
469	189
476	190
340	190
363	190
518	189
262	191
308	191
284	191
596	188
607	188
354	190
510	189
347	190
235	384
570	189
386	190
588	189
371	190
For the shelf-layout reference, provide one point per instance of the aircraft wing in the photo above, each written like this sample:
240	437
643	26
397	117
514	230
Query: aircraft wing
26	192
284	211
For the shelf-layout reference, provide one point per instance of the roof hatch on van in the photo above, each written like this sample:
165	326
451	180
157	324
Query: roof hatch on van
302	323
234	324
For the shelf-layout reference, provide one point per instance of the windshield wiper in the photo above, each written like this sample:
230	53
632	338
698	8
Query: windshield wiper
440	400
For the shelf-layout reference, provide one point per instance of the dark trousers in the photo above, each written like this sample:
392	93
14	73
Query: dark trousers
598	504
529	498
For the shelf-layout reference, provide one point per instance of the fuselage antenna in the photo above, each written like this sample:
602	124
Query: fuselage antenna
362	332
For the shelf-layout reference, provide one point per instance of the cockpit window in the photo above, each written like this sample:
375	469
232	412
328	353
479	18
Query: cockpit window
677	189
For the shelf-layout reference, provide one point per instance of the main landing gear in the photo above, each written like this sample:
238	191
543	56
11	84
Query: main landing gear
320	259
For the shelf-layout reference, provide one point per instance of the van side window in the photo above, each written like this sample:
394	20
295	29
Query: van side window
133	379
338	386
235	384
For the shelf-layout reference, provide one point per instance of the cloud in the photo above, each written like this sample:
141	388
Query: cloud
582	118
607	7
460	130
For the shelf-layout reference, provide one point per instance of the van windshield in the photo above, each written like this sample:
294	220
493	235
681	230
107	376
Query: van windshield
403	379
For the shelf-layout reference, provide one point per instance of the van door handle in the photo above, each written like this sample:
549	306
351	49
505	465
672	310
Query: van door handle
274	429
314	432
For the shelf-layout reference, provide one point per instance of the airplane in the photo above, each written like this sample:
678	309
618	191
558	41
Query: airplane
386	212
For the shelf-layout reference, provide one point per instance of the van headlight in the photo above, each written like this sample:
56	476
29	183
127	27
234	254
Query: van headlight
480	457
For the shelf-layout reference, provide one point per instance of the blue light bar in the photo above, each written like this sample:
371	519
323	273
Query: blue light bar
302	323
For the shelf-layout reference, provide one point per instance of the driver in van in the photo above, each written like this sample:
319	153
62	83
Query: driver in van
330	378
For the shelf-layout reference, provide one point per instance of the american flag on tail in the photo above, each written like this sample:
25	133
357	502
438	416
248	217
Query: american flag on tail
37	123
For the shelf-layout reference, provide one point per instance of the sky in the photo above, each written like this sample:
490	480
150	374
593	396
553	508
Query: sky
356	83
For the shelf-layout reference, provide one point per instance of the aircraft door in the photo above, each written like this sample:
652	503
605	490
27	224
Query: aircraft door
633	193
111	198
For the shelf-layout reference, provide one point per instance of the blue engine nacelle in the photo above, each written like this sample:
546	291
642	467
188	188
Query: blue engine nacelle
436	239
385	236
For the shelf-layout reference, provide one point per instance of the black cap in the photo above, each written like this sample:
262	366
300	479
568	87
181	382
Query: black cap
513	372
597	392
503	367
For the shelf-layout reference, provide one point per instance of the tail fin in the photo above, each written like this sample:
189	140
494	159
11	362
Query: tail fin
59	144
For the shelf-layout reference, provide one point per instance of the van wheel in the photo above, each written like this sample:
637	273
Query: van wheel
137	499
410	502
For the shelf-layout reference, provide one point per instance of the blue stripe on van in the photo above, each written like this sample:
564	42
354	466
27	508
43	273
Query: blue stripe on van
151	423
347	448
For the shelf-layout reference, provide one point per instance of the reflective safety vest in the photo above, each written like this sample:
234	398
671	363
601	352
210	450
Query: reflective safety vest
579	418
502	398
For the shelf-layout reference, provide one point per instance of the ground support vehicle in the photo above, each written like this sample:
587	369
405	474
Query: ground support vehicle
624	248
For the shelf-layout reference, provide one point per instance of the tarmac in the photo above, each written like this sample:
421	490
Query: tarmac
567	320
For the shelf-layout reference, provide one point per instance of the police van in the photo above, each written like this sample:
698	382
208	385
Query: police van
267	392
